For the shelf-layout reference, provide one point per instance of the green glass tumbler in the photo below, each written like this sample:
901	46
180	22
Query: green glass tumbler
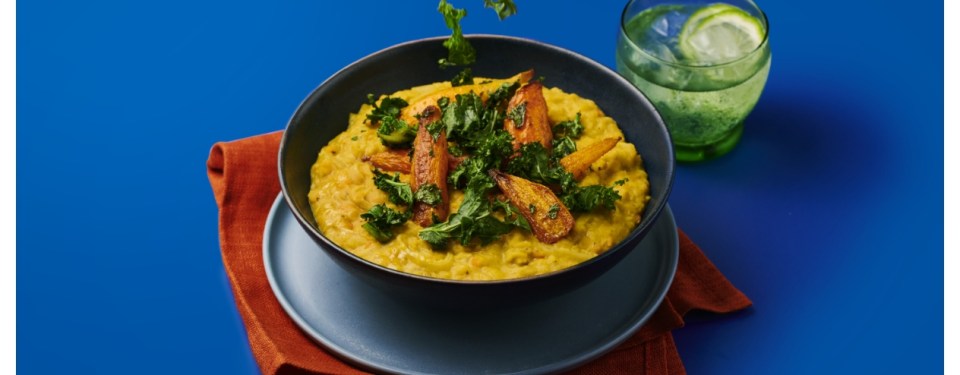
703	65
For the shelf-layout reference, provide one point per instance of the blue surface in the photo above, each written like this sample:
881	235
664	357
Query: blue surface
829	214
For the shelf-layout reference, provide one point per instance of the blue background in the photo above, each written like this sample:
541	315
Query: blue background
829	214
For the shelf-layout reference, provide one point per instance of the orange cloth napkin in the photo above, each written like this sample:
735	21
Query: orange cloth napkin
243	175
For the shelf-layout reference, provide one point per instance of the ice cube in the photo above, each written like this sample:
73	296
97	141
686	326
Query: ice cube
661	26
667	26
675	20
665	53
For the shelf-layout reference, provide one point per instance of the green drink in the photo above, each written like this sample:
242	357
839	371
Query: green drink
702	65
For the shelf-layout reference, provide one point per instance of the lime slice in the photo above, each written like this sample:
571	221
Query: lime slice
706	11
721	33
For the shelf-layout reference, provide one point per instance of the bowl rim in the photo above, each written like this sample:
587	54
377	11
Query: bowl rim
635	234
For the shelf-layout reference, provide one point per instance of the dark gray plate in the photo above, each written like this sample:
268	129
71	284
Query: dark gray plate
368	328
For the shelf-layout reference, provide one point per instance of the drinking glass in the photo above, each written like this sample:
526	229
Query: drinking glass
702	64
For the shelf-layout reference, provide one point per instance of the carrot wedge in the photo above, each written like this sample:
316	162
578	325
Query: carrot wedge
392	160
579	161
483	89
430	166
549	219
529	105
397	160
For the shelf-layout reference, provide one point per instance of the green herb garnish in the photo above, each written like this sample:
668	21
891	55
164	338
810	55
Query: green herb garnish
571	128
434	128
388	107
588	198
474	219
511	214
554	210
517	114
504	8
563	135
380	219
396	133
563	147
459	50
429	194
465	77
463	116
397	192
443	102
454	150
499	97
486	152
533	162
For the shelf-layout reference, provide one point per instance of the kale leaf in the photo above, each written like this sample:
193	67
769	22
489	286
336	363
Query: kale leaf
397	192
511	214
533	162
380	219
396	133
517	114
477	131
459	50
469	118
570	128
499	97
457	178
588	198
454	150
388	107
429	194
463	116
563	147
486	152
473	219
563	135
504	8
465	77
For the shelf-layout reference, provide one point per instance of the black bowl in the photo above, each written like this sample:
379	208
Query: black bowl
324	114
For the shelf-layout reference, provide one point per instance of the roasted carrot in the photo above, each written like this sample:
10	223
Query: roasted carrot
579	161
393	160
398	160
430	168
527	119
549	219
